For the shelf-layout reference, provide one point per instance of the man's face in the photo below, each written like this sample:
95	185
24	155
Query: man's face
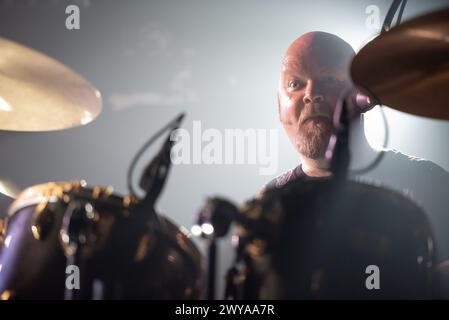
310	84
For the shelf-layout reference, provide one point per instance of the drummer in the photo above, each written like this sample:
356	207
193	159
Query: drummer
314	73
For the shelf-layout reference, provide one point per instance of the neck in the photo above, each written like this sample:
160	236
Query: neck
315	167
360	151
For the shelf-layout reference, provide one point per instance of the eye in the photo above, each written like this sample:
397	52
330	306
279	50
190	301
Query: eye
295	84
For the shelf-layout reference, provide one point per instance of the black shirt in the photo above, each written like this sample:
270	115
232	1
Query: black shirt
423	181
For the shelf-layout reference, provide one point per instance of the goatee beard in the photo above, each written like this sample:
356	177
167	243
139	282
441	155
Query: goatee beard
312	142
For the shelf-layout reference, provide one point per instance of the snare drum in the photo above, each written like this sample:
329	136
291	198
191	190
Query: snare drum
117	253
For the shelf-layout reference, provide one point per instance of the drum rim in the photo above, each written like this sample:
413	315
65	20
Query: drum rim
30	196
37	193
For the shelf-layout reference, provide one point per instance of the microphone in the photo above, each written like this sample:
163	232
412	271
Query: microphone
350	105
156	172
361	100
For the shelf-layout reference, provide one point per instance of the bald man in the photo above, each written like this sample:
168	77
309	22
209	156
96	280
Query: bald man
314	74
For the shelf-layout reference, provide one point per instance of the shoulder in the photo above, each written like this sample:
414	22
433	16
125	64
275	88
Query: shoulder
279	181
419	175
423	166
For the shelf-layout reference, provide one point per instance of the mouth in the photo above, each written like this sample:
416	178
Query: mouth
316	119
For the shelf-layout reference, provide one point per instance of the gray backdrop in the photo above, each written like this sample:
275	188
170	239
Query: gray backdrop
216	60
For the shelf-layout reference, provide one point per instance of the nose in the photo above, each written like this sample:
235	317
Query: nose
312	94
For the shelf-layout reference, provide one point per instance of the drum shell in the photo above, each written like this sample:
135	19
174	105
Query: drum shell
131	257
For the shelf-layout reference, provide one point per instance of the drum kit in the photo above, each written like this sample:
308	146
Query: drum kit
312	239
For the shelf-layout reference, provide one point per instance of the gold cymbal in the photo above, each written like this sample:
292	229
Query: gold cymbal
8	189
38	93
407	68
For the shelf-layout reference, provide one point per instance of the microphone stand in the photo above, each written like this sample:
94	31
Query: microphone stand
155	174
337	153
144	217
211	262
219	214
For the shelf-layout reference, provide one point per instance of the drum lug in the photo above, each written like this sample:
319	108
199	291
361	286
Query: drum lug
2	231
44	217
42	223
79	223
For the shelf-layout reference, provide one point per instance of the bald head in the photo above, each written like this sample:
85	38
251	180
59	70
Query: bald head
315	72
319	50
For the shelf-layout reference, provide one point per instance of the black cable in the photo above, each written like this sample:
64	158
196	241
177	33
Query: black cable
392	12
140	152
386	26
398	20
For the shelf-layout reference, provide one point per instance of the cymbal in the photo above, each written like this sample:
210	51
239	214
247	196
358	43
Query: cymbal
5	202
38	93
8	189
407	68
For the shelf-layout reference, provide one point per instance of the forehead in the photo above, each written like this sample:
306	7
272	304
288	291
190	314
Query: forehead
316	54
314	66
